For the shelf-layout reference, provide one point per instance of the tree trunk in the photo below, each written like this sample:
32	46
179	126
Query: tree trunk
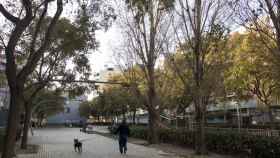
123	113
200	144
26	126
225	117
200	105
154	117
154	121
12	126
185	119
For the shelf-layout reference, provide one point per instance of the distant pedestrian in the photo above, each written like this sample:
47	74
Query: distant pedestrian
31	127
123	131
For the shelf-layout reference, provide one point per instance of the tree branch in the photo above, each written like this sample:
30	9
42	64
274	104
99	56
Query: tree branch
33	60
8	15
37	30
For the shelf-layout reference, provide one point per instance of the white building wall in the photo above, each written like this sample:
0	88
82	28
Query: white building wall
4	90
4	98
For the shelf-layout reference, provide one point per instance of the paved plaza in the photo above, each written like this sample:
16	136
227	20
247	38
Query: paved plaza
58	143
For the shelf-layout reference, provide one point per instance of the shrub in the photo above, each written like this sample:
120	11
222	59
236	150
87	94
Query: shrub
275	126
233	143
139	132
1	142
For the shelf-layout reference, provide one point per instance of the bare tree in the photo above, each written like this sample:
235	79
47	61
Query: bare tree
132	76
261	16
145	25
199	26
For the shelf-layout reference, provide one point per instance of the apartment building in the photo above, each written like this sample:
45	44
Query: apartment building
4	90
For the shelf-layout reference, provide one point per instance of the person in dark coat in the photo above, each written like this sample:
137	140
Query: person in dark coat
123	131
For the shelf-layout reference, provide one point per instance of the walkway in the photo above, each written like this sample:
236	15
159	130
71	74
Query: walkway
58	143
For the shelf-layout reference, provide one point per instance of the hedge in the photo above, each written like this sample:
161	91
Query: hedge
232	143
275	126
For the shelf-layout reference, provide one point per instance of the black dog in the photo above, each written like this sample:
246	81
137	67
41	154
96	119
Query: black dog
78	145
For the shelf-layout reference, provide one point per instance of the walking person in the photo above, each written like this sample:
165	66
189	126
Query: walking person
32	125
123	131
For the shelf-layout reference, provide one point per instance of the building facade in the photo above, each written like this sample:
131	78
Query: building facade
71	115
4	91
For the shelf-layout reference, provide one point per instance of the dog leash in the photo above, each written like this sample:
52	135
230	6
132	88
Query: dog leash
82	140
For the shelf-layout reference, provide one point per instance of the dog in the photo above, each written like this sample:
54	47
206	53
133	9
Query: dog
78	145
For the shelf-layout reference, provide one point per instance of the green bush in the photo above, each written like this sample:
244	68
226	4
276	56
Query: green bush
1	142
275	126
233	143
139	132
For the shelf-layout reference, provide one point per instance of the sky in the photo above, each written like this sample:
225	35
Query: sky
104	55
